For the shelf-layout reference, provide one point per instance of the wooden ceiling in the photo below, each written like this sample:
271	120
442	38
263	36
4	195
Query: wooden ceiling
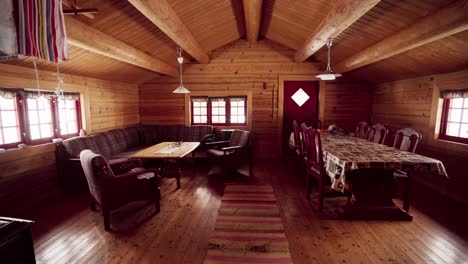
215	23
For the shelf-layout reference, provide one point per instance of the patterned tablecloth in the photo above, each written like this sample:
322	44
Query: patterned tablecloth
345	153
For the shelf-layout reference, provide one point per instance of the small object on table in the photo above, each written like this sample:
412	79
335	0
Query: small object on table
16	244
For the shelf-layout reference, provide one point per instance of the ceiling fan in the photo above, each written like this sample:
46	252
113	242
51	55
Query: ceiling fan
76	10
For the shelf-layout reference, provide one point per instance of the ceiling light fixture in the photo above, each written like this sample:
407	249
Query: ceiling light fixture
181	89
328	75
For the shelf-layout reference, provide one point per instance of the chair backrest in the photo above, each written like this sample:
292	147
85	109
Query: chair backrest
297	139
362	129
240	138
314	152
377	134
407	139
92	163
303	139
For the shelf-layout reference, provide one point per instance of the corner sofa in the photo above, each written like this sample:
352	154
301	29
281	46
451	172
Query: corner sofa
119	144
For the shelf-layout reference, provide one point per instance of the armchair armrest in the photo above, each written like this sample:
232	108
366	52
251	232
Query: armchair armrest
122	167
134	174
231	149
217	143
207	139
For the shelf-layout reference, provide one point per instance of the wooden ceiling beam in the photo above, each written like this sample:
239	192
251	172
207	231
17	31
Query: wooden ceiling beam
71	4
86	37
165	18
253	19
445	22
342	15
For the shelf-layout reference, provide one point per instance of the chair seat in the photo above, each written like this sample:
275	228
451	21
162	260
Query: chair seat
147	175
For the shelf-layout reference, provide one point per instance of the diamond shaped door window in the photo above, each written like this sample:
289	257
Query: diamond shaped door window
300	97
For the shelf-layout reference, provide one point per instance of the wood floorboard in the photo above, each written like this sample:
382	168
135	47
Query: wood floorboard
69	232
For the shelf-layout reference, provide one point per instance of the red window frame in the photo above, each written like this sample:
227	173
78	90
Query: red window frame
445	120
227	111
23	121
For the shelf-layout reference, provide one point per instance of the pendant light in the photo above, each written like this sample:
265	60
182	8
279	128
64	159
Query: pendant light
181	89
328	75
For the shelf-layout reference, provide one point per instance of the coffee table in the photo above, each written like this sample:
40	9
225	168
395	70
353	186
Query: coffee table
168	151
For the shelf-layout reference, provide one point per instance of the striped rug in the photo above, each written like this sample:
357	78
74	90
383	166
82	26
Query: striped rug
249	228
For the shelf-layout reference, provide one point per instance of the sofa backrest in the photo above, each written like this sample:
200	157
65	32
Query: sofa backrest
119	140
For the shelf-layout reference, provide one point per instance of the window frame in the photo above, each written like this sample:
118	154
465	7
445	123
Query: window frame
209	115
23	122
444	123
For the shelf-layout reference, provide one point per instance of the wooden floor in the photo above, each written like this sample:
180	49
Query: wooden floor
68	232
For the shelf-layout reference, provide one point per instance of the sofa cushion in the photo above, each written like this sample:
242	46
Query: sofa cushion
132	137
73	146
148	135
117	140
194	133
103	146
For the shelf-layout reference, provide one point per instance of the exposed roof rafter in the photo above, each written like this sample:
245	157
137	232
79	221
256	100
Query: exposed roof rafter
253	19
445	22
164	17
342	15
86	37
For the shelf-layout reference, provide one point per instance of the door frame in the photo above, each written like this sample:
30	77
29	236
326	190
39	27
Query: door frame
320	101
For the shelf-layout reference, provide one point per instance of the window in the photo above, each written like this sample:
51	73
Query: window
29	119
9	123
224	111
40	118
454	126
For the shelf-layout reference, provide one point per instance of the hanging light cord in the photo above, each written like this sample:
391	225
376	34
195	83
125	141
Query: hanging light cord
37	77
329	44
179	50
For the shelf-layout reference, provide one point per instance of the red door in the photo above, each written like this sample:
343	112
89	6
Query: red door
300	103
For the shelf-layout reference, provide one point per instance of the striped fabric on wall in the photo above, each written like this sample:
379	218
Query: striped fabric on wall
40	29
248	228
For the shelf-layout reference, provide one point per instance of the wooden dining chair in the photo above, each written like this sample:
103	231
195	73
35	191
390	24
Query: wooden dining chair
377	134
407	139
297	139
315	164
362	130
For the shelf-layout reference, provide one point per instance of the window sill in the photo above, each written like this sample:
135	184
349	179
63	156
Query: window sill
445	141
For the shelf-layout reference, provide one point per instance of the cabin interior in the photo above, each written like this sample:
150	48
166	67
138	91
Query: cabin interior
126	105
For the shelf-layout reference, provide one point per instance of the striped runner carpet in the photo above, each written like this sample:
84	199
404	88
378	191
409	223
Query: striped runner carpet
248	228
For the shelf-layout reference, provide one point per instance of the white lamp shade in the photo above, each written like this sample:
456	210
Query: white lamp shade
181	90
180	60
328	76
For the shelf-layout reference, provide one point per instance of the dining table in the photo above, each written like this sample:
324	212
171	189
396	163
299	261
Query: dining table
362	166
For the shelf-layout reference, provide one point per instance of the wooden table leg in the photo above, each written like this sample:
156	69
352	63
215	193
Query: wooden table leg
178	173
406	195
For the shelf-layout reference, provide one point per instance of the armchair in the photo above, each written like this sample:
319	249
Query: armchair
228	152
113	185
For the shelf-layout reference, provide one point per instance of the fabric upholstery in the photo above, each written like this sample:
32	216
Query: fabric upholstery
132	137
103	146
117	141
239	138
74	146
90	161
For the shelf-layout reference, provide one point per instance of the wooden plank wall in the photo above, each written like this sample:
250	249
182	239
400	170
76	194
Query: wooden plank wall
240	66
28	176
414	103
346	104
